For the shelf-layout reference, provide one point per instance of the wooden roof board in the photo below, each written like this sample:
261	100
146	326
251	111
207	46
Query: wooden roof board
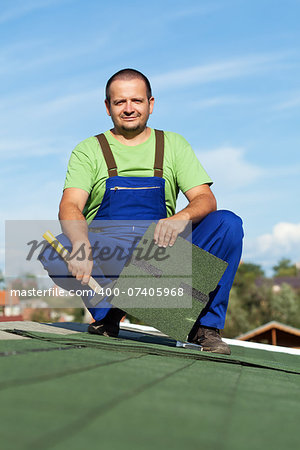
269	326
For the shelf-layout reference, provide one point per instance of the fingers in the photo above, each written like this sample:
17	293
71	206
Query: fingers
81	270
173	238
85	278
156	232
167	237
166	233
80	266
167	230
161	235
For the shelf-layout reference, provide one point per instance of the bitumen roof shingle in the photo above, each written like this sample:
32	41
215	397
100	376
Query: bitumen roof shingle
141	392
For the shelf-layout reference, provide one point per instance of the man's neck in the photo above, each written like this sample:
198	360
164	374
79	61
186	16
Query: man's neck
131	139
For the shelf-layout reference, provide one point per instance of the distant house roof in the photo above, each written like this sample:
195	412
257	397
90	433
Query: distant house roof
294	282
7	299
274	333
2	298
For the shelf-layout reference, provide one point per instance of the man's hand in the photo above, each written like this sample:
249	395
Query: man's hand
167	230
201	202
75	227
81	262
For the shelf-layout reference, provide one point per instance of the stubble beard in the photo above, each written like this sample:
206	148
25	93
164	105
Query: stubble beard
139	127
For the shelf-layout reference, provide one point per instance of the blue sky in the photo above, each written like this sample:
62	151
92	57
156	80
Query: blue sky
225	75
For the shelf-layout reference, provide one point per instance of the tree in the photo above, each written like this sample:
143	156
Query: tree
246	275
284	306
253	304
78	314
2	281
237	317
41	315
25	282
285	268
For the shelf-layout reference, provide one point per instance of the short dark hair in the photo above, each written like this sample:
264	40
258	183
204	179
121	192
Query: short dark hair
128	74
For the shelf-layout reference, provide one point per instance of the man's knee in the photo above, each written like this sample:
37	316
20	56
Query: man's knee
232	223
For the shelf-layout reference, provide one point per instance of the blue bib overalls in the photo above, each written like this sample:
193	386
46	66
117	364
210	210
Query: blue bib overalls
143	198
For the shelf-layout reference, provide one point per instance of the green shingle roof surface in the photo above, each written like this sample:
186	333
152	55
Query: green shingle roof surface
77	391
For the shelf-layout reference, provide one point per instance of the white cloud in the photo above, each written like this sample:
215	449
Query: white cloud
229	167
267	249
284	238
220	70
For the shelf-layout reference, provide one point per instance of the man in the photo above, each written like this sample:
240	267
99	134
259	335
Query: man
117	175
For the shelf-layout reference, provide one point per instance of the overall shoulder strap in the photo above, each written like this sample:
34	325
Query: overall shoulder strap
159	153
108	156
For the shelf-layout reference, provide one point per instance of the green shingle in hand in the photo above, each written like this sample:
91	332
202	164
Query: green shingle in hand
169	288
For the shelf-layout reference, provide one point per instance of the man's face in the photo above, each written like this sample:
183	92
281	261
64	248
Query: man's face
129	106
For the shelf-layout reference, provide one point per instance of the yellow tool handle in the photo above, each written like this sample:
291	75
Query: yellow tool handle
63	252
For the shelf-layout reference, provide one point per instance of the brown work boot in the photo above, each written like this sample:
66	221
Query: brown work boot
209	339
109	326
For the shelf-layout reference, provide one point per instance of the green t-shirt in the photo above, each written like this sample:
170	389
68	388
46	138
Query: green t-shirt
87	169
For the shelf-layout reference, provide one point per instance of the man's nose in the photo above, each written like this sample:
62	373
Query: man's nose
128	108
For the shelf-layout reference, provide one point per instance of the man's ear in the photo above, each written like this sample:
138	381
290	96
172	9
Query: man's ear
107	106
151	104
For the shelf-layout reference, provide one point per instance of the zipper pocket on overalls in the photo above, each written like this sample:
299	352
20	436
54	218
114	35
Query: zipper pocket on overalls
119	188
